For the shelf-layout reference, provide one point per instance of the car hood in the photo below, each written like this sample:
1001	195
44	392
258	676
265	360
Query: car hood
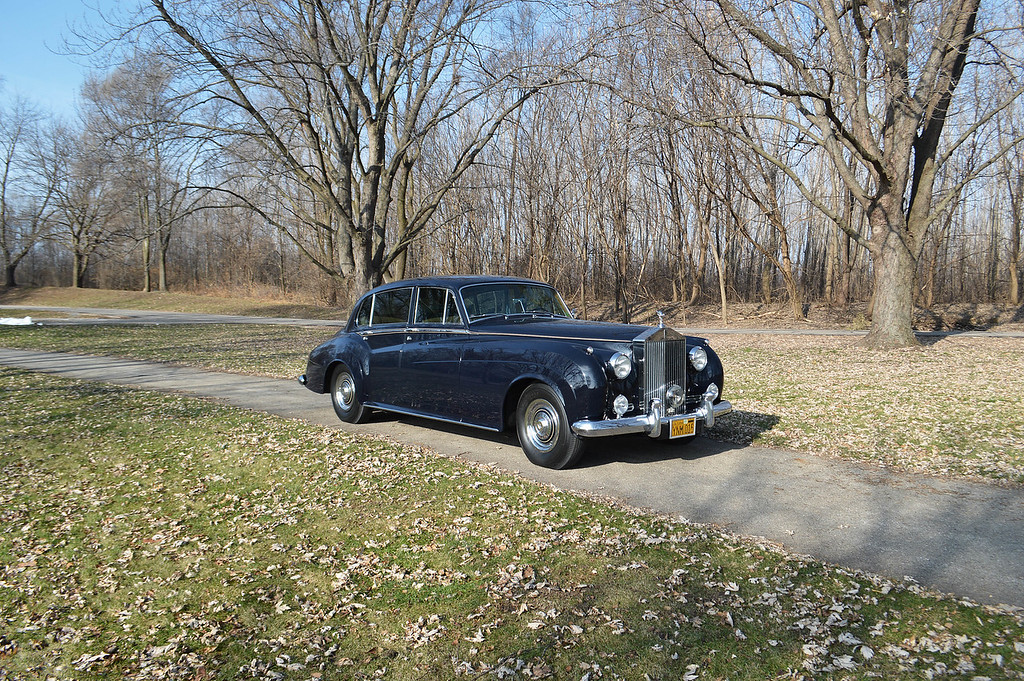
572	329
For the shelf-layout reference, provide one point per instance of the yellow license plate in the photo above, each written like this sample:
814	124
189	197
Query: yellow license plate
683	428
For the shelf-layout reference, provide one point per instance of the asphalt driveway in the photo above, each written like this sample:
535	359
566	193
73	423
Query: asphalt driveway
958	537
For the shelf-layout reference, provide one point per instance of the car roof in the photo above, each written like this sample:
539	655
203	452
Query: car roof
455	281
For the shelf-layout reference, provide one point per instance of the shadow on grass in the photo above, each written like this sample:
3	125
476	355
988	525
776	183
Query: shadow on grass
14	296
966	317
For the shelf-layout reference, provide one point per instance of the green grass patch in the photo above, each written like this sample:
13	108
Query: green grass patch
147	535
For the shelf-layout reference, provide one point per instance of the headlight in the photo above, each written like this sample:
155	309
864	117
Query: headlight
698	358
620	364
674	396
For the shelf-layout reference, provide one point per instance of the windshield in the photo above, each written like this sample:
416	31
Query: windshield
486	300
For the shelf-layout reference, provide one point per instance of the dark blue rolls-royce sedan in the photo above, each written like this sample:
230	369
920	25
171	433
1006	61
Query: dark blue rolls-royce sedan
501	352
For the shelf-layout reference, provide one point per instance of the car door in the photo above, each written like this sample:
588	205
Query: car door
432	354
385	336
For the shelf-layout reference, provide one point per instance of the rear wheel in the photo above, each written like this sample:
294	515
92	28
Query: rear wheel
344	397
544	430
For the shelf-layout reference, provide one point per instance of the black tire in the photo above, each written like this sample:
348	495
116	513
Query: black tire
545	433
344	397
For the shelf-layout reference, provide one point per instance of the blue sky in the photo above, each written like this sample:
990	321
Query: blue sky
31	37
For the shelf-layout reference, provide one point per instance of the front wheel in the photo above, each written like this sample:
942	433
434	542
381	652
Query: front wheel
344	397
544	431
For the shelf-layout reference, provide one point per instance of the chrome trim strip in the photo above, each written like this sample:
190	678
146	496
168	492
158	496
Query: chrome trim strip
437	329
370	331
565	338
412	412
380	330
651	424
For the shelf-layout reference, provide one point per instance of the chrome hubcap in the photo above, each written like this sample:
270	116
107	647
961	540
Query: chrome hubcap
541	425
345	391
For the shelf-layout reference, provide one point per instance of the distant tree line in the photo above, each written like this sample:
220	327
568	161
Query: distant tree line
687	150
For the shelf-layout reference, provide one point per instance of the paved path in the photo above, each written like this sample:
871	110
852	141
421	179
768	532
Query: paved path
958	537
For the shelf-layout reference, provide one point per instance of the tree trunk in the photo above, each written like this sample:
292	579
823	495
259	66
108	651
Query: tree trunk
720	268
164	243
10	264
78	264
147	277
365	276
893	297
162	268
1017	213
1014	284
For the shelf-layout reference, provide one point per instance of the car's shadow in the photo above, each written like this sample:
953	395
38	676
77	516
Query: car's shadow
639	449
631	449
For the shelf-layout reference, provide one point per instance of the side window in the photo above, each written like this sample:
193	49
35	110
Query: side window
392	307
430	306
437	306
451	311
363	315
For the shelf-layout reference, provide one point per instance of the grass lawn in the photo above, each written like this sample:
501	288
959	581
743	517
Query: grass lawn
172	302
953	407
266	350
147	535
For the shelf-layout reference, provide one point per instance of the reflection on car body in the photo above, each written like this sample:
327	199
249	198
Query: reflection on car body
502	352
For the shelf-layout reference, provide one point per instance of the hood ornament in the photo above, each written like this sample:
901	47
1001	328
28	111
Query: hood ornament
661	319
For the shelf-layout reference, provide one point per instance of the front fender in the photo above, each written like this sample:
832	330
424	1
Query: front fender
577	377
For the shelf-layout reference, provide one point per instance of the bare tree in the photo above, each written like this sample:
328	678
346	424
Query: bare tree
344	96
1011	174
139	117
86	201
25	194
761	183
872	84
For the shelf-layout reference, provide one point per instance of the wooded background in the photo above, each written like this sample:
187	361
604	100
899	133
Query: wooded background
698	151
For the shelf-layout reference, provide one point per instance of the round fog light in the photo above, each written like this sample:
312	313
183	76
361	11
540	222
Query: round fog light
711	394
620	405
674	396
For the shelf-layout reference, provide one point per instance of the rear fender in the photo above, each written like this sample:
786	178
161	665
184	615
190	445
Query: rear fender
340	351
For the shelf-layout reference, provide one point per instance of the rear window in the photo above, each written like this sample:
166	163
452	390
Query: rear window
391	307
385	308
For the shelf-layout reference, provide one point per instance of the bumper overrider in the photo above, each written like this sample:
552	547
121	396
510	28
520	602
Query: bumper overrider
655	422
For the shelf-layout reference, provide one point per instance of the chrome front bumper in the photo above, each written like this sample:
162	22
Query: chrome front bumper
651	423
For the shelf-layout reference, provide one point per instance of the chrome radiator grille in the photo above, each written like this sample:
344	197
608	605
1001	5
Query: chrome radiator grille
664	363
